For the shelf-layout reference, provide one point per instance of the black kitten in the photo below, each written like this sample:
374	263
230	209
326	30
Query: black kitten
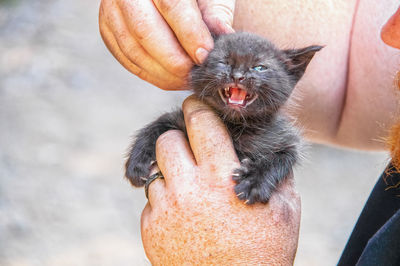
246	79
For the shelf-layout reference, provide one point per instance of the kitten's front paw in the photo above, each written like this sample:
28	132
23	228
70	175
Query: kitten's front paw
251	186
137	170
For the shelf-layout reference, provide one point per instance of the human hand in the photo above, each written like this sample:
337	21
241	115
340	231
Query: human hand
193	216
159	40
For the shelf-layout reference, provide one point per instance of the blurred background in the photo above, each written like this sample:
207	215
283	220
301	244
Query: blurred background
67	112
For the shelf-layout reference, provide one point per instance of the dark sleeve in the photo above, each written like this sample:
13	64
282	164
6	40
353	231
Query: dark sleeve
384	247
378	215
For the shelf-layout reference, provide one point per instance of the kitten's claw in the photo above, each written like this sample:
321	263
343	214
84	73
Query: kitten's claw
245	161
251	186
138	169
142	155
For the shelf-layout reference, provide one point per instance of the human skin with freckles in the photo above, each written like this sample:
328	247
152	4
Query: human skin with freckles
347	96
182	224
193	216
160	40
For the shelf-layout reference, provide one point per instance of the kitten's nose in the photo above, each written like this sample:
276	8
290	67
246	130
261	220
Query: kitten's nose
237	77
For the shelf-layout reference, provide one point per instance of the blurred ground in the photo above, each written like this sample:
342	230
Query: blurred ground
67	111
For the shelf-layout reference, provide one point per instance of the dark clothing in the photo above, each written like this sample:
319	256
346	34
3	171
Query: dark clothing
384	247
375	239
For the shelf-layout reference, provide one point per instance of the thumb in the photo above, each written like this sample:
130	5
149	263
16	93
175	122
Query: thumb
218	15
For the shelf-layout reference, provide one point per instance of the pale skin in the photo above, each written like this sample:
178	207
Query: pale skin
193	216
347	98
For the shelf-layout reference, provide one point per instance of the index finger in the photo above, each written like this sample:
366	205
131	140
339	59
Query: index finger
155	36
185	19
209	138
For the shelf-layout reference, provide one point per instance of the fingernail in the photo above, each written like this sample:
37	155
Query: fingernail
201	55
228	29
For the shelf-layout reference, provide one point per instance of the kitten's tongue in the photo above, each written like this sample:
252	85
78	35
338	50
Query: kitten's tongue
237	96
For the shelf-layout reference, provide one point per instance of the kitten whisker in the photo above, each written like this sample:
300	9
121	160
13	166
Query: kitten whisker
264	139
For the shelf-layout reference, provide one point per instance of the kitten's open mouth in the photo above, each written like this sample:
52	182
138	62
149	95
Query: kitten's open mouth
236	95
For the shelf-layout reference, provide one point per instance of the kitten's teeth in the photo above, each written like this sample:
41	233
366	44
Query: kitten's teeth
227	92
236	96
223	95
236	101
252	100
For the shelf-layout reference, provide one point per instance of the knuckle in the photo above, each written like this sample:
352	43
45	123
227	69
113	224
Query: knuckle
222	10
178	85
122	37
139	72
180	65
186	20
131	52
199	116
143	31
166	6
167	138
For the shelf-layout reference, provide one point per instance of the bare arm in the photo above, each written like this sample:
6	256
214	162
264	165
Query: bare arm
371	105
347	96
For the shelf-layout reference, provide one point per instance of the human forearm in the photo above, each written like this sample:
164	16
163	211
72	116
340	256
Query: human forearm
346	97
372	101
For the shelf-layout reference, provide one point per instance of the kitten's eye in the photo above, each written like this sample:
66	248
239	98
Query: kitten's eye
260	68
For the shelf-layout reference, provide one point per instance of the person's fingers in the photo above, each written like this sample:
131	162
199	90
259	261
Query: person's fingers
209	139
157	193
156	190
145	221
112	45
152	225
174	157
185	19
218	15
145	216
133	50
155	36
390	33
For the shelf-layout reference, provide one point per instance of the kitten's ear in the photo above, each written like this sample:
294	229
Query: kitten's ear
297	60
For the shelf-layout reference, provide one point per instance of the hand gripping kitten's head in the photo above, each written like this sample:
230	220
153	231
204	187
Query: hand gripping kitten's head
247	76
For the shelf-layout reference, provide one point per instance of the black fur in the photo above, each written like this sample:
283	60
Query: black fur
265	141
